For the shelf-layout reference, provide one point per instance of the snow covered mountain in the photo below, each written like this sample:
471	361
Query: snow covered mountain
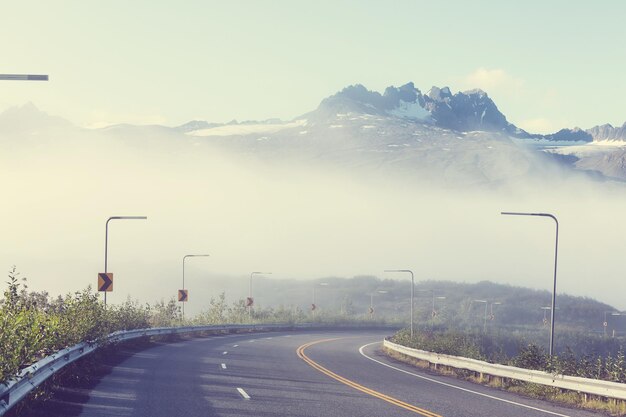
451	139
464	111
456	138
607	132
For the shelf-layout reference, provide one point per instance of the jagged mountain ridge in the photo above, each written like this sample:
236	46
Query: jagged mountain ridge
467	111
464	111
439	134
457	138
608	132
601	133
454	140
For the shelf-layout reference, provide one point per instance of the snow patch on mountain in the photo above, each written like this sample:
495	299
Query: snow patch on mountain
541	142
609	143
247	129
411	110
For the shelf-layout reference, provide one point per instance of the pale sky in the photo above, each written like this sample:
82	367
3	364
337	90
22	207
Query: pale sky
546	64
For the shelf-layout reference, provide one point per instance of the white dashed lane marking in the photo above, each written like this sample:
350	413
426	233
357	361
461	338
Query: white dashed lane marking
243	394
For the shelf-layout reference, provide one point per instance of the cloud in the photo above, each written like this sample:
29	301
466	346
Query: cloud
534	109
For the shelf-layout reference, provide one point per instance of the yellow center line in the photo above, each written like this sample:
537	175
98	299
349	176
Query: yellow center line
356	386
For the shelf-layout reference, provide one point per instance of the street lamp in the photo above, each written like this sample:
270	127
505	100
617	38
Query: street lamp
545	309
185	257
23	77
496	303
434	312
605	324
250	300
313	305
490	304
412	290
485	320
556	251
372	301
106	241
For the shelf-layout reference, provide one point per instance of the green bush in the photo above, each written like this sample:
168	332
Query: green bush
492	348
32	325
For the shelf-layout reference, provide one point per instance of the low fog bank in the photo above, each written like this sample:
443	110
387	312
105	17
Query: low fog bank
297	220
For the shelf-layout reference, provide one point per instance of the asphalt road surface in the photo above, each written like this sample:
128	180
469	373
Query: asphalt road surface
310	373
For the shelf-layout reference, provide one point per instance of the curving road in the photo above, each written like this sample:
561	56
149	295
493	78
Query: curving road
281	374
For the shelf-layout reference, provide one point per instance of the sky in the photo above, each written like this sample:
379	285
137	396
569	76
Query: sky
547	65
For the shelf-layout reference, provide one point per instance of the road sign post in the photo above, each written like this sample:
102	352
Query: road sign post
250	300
184	258
106	243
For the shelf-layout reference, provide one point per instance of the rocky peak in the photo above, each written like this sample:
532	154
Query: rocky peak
463	111
608	132
439	94
28	118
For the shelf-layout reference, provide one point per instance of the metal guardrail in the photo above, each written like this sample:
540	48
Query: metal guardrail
586	385
31	377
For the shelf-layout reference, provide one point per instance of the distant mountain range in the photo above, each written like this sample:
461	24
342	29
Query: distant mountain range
459	138
453	139
466	111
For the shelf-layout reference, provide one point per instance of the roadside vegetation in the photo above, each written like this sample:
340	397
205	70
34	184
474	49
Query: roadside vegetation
515	350
34	325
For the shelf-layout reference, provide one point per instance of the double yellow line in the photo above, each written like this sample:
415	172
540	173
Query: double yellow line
356	386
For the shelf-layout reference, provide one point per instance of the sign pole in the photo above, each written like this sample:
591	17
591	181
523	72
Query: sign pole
106	243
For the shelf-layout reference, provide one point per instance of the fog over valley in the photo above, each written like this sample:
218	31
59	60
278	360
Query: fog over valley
352	188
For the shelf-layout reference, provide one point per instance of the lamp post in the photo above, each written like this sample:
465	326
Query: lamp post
185	257
556	252
545	309
605	324
372	301
495	303
412	290
485	319
313	305
106	241
250	300
23	77
434	312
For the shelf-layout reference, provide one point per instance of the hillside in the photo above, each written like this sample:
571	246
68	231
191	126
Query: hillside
520	307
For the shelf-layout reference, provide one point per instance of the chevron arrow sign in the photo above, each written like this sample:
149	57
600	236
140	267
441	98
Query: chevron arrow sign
105	281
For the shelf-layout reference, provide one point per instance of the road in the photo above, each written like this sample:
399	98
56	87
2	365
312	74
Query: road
311	373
